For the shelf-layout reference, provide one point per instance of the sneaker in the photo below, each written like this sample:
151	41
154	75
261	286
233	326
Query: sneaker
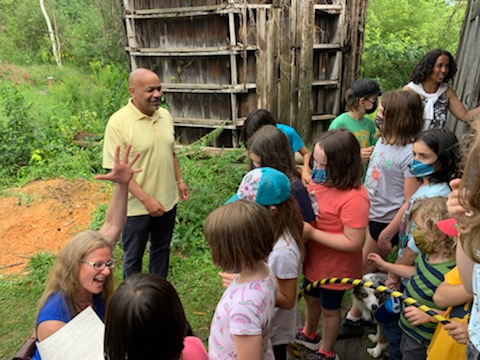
350	329
319	356
309	343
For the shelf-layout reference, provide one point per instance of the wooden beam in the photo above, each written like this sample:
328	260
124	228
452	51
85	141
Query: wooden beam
208	88
262	62
325	47
202	123
323	117
475	10
326	83
328	8
305	25
204	51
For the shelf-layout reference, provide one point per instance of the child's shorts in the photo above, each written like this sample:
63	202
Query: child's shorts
376	228
472	352
329	299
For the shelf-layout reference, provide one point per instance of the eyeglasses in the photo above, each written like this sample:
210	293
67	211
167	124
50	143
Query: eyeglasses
100	265
371	101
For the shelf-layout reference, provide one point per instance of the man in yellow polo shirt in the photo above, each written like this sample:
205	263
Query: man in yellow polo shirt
154	192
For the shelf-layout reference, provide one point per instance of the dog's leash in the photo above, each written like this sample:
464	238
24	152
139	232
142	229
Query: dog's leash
369	284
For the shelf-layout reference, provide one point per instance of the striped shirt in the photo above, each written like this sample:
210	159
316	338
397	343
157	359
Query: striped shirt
421	287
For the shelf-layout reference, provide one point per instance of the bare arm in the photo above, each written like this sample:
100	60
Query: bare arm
384	239
306	172
152	205
182	187
457	210
286	293
450	295
406	271
249	347
465	268
408	258
349	240
47	328
458	109
121	175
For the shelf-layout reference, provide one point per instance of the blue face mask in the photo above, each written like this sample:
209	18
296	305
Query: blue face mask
319	176
420	169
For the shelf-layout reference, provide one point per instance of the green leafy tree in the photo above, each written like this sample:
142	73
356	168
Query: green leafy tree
398	34
87	30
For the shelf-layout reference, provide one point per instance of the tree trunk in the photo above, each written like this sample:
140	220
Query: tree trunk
51	33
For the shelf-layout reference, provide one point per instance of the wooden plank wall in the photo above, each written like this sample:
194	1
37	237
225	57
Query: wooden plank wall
467	80
219	60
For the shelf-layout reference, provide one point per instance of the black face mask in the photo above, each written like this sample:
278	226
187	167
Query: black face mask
372	110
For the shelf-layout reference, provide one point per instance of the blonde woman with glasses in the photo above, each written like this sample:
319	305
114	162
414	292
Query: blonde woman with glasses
80	276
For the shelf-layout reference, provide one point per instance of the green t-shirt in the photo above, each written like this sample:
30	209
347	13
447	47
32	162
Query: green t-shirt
364	129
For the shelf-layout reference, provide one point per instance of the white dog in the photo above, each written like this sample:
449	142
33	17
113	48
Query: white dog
368	301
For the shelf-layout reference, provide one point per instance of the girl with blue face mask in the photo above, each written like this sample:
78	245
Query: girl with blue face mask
435	163
334	242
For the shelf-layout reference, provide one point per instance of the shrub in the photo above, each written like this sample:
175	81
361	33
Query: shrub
18	135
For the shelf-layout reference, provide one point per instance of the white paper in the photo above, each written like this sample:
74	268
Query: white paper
80	339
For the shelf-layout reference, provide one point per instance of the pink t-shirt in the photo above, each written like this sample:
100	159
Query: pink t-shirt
194	349
244	309
336	209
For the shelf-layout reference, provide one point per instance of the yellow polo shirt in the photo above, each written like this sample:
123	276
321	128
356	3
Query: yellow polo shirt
153	137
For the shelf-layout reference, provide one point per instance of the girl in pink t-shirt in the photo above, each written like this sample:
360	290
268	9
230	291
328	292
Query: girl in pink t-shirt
335	242
241	236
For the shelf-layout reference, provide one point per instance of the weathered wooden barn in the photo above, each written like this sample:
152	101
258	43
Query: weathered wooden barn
467	80
220	59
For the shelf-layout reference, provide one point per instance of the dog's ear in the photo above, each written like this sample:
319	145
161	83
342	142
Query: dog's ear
382	297
357	289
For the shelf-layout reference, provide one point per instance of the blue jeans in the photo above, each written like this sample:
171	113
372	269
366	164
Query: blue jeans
393	334
137	232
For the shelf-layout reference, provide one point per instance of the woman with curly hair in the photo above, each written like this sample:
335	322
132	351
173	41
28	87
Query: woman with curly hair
81	275
430	79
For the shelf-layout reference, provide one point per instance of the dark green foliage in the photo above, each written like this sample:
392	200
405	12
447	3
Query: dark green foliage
212	182
87	30
18	135
399	34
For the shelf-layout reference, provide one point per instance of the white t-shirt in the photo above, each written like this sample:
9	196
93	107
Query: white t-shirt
285	261
474	322
244	309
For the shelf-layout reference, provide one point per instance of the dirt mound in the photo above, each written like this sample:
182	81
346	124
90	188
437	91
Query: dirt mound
43	215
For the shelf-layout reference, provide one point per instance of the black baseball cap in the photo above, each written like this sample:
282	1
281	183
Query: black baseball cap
364	87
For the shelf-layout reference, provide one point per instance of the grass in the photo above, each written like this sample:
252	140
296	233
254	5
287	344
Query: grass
19	296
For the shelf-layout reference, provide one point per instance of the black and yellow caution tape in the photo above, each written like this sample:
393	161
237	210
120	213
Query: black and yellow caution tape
377	287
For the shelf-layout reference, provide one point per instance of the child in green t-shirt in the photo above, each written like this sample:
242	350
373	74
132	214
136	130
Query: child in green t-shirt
361	98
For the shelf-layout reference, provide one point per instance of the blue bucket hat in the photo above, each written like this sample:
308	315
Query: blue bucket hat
265	186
